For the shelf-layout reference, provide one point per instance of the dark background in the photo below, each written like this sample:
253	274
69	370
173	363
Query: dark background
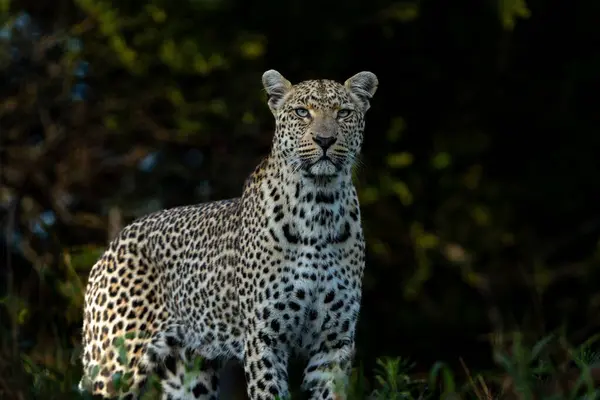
479	180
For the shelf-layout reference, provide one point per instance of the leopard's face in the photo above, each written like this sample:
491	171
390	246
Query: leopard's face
319	123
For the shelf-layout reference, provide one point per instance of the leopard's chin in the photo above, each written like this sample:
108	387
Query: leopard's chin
324	167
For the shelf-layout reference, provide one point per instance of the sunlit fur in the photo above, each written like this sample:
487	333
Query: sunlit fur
275	272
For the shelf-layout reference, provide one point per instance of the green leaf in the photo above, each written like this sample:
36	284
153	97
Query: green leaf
95	372
217	60
122	355
252	49
402	11
84	257
111	122
187	126
117	379
585	377
539	347
505	362
157	14
218	107
399	160
481	215
4	6
369	195
22	317
447	377
441	160
427	241
169	54
248	118
175	96
402	192
201	66
511	10
378	247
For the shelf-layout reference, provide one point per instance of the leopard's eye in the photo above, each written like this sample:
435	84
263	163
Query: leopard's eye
302	112
343	113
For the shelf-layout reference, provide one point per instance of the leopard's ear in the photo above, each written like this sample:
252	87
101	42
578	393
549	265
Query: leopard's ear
277	87
362	87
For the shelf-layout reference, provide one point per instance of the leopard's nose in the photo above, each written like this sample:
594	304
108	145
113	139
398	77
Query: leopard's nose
324	141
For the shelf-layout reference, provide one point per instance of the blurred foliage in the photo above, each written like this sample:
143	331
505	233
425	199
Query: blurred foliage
478	181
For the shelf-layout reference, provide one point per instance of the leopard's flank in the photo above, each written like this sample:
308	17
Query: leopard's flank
273	273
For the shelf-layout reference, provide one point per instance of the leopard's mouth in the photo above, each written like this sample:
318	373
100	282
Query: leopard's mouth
324	166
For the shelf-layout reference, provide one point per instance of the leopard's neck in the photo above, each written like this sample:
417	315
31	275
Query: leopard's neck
303	210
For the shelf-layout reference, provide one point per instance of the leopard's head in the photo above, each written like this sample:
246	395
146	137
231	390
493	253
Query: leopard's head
319	123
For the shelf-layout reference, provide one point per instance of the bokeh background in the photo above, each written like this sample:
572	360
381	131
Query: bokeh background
479	180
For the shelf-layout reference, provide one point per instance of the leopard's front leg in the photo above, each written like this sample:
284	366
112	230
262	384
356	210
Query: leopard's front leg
332	349
265	363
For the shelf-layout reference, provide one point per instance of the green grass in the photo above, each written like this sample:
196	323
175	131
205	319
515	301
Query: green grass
547	369
42	361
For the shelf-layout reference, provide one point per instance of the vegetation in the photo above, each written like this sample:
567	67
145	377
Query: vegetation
550	369
478	182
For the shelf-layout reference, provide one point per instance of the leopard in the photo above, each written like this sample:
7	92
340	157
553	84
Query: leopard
274	273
